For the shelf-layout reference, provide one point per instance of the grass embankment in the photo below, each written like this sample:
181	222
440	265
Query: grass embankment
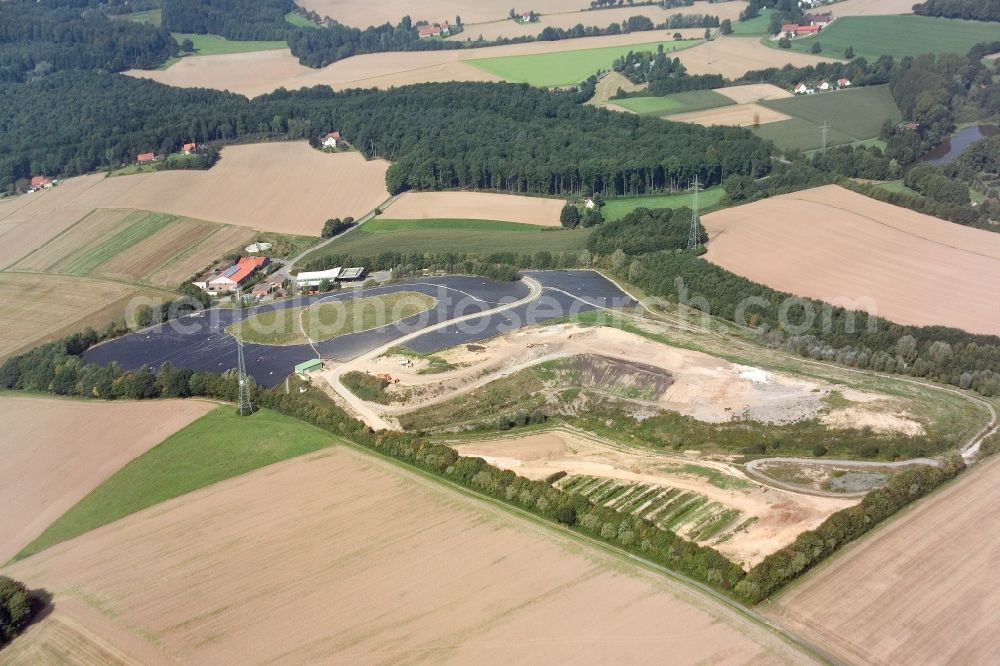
755	27
300	21
150	16
367	387
693	100
565	67
898	36
853	115
218	446
618	208
451	235
205	45
328	319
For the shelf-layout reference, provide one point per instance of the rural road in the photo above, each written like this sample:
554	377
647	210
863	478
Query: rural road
362	408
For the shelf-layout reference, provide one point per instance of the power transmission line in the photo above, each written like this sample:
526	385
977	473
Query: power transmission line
823	131
244	404
694	235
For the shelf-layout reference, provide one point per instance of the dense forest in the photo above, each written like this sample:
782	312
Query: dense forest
232	19
643	231
974	10
39	38
474	135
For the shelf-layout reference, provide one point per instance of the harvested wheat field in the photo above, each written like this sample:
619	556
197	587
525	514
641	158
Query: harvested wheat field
735	56
40	308
754	92
741	115
257	73
922	589
870	7
285	187
842	247
351	559
56	451
729	499
476	206
608	86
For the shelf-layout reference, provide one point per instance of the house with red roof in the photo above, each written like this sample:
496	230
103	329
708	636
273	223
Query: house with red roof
434	30
228	279
145	158
818	19
843	83
330	140
792	30
38	182
190	148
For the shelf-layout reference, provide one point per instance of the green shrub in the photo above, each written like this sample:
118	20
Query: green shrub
15	608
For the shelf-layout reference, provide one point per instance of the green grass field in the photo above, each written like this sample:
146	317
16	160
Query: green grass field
150	16
896	186
616	209
215	45
326	320
854	115
694	100
450	235
755	27
218	446
898	36
565	67
299	20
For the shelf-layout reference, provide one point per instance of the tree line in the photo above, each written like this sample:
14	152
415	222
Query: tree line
233	19
503	137
972	10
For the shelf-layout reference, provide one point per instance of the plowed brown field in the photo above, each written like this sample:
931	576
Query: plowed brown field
835	245
476	206
923	589
55	452
753	92
870	7
735	56
348	559
741	115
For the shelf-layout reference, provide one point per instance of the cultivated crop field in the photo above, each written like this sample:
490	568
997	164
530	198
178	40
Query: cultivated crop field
435	236
136	246
917	590
842	247
476	206
206	45
898	36
343	538
328	319
40	308
740	115
46	470
854	114
565	67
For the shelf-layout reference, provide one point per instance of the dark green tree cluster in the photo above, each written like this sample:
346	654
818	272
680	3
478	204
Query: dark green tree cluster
232	19
968	215
335	226
979	166
39	38
972	10
643	231
439	136
833	334
15	608
501	265
930	181
811	547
